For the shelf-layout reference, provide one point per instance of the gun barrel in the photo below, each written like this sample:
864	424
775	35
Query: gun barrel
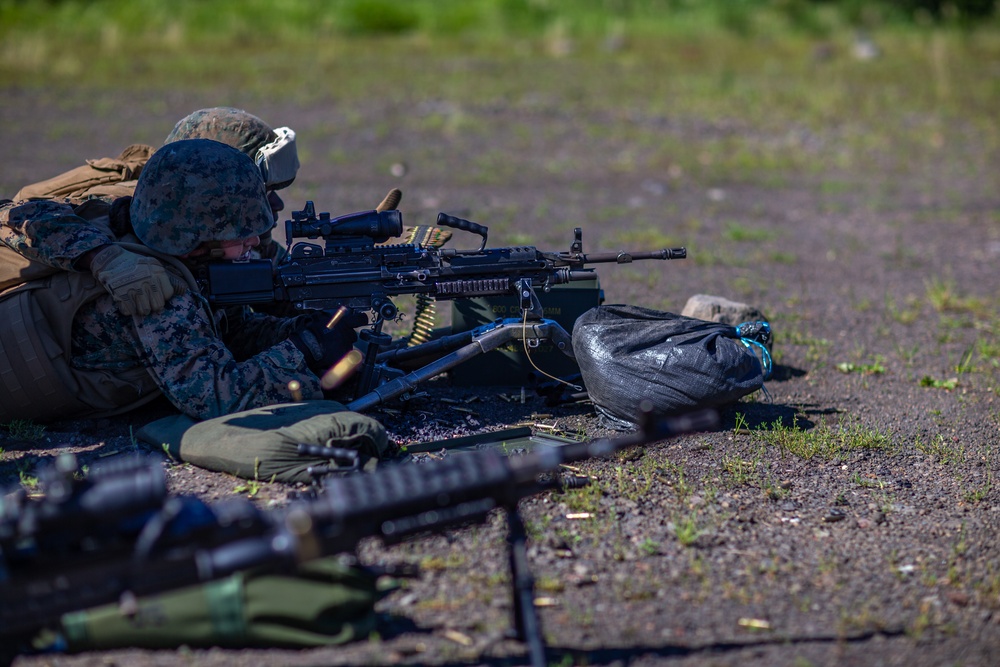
652	429
625	257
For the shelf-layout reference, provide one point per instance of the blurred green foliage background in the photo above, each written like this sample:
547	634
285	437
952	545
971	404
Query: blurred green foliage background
766	91
33	33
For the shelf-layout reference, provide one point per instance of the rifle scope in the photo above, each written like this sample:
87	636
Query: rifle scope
379	226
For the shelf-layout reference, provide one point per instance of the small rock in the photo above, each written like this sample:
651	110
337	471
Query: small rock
719	309
834	515
958	598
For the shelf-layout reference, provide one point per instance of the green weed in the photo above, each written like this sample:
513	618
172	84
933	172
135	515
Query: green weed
649	547
947	453
908	313
28	481
739	470
633	483
965	364
782	257
252	486
741	233
817	349
672	475
823	441
24	429
643	237
439	563
775	490
979	494
742	426
907	354
874	368
928	381
857	479
686	530
585	499
944	296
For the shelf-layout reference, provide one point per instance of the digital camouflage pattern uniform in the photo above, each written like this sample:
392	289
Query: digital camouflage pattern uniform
205	363
50	232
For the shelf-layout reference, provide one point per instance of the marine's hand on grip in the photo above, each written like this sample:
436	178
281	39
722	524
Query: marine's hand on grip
323	346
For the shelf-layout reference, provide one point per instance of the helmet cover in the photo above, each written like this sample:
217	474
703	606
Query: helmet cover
247	133
196	190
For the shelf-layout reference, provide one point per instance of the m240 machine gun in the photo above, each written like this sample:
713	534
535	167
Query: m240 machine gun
91	540
355	268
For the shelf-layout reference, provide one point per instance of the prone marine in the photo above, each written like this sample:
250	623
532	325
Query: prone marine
71	351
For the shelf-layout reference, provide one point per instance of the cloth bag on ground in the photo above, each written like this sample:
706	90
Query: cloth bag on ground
628	353
263	443
324	603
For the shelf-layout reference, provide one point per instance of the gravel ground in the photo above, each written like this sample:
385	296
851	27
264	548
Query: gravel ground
734	547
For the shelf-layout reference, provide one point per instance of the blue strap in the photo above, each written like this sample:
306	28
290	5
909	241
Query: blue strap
764	355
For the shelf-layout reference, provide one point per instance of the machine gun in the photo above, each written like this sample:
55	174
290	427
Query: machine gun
356	269
92	540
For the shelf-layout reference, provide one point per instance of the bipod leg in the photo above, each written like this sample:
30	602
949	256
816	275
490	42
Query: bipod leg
374	341
484	339
527	625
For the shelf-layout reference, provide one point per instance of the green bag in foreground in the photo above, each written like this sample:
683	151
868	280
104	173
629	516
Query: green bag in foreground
325	603
262	443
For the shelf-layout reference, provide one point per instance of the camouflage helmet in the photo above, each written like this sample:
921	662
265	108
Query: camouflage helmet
273	151
197	190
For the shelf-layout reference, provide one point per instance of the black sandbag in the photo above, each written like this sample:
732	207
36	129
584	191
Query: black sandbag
629	353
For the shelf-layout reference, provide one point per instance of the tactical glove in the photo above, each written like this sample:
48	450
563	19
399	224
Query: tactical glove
138	284
324	347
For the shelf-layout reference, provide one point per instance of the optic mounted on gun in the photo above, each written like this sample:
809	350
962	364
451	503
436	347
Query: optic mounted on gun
362	229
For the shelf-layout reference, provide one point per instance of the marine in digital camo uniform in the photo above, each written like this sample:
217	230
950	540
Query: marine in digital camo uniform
195	199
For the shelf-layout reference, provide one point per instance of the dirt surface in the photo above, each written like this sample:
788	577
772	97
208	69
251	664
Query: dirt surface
722	548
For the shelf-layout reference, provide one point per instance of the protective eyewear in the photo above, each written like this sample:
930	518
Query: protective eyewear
278	161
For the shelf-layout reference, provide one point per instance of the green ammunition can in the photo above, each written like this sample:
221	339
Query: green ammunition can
508	365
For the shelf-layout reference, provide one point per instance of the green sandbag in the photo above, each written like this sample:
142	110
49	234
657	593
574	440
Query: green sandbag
262	443
325	603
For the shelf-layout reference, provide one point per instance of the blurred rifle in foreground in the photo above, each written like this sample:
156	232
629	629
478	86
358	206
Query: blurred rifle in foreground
116	533
356	269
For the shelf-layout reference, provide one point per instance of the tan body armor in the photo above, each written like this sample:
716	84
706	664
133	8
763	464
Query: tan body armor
37	308
100	177
37	381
